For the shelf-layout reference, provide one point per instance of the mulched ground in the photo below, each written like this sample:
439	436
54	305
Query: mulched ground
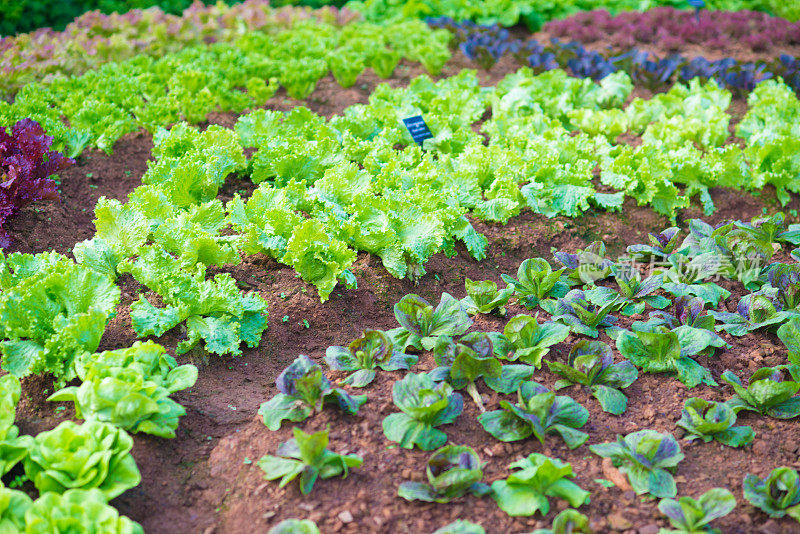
206	480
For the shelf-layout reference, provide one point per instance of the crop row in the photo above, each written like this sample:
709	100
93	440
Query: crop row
487	44
671	29
535	13
328	188
574	302
102	105
95	39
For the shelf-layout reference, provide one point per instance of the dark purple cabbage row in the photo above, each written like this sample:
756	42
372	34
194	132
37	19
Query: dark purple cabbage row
487	44
671	29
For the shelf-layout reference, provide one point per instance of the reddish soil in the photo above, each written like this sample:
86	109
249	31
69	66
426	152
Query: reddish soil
206	480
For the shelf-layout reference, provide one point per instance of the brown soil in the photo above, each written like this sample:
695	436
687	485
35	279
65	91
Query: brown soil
206	480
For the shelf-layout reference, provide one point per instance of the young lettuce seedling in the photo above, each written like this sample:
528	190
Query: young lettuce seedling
421	324
484	297
303	390
692	516
777	495
372	350
582	316
665	351
307	456
661	245
536	478
452	472
633	294
538	412
645	456
755	311
536	280
462	363
708	421
13	447
585	266
425	405
526	340
688	312
591	364
767	393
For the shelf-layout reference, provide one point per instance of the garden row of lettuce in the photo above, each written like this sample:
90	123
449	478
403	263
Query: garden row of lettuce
104	104
330	188
95	39
487	44
534	13
678	336
673	29
54	312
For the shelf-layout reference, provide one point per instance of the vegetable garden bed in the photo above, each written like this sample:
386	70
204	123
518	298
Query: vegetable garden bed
207	478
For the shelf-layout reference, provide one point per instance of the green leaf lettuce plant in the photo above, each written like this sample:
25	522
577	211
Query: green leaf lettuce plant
452	471
690	516
77	510
421	324
706	420
777	495
767	393
364	355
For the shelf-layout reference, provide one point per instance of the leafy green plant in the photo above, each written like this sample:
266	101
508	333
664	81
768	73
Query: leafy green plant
688	312
77	510
633	294
484	297
538	412
13	447
567	521
586	266
777	495
452	471
536	280
421	324
307	456
364	355
526	340
130	389
538	477
688	515
580	314
767	393
785	281
708	421
425	405
755	311
789	333
13	505
591	364
646	456
661	244
87	456
295	526
665	351
460	526
687	274
51	312
472	357
214	309
303	390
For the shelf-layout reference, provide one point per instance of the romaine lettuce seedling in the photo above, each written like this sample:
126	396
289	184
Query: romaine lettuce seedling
777	495
755	311
526	340
536	280
708	421
665	351
646	456
425	405
591	364
484	297
421	324
303	390
767	393
568	521
585	266
372	350
661	244
691	516
538	412
452	471
307	456
536	478
582	316
634	292
13	447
